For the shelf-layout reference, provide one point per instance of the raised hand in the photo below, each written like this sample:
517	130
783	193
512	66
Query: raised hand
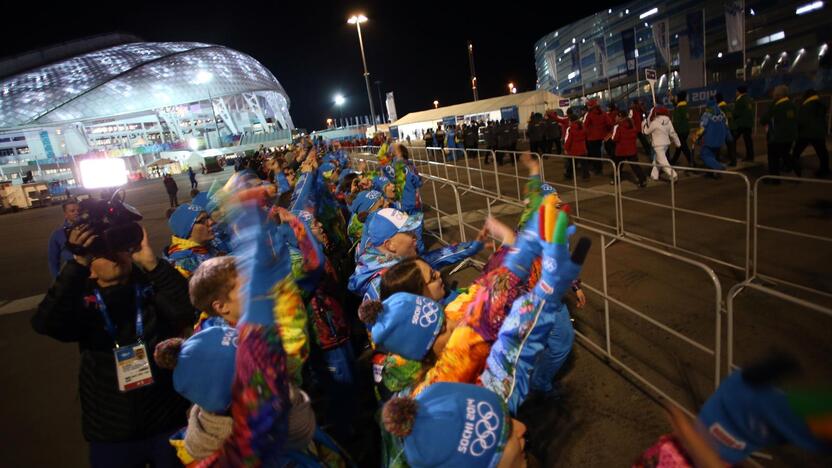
559	269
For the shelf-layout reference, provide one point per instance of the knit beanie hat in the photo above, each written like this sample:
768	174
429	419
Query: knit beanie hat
405	324
182	220
450	425
203	366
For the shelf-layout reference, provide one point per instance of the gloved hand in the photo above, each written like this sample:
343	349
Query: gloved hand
261	262
558	269
525	249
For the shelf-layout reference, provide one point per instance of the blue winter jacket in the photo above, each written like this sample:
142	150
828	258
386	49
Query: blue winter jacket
715	128
366	279
58	253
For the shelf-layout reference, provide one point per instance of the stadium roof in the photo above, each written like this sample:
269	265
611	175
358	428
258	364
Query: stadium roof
539	96
130	78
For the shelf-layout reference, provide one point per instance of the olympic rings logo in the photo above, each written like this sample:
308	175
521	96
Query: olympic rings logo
549	264
485	430
428	314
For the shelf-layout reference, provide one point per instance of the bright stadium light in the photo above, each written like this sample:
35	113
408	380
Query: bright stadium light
339	99
719	55
193	143
809	7
822	50
354	19
649	12
103	173
203	76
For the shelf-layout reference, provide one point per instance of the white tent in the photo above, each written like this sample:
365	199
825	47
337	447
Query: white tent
415	123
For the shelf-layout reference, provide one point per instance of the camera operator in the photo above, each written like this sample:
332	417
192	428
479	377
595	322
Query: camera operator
117	302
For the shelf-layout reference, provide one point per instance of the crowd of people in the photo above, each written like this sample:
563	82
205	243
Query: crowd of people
298	318
616	134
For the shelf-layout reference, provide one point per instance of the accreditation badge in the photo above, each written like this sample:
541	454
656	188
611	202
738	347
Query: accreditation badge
132	367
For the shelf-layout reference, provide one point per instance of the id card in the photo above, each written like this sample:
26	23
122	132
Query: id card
132	367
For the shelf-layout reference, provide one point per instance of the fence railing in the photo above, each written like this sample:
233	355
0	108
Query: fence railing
739	262
793	234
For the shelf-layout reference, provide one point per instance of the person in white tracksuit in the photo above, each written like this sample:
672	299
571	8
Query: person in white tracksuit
660	129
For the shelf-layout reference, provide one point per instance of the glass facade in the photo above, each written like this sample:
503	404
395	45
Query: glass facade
569	61
132	78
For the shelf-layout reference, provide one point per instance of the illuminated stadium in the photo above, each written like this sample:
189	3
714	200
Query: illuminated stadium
114	95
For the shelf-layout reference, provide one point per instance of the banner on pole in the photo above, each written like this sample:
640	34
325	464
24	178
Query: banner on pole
551	58
661	37
391	107
601	55
691	71
628	43
735	25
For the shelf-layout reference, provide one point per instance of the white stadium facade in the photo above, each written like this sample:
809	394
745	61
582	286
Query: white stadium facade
116	96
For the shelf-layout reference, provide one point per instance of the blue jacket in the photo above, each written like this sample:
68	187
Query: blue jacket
715	128
366	279
522	337
58	253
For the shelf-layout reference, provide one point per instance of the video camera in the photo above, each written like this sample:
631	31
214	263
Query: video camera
113	221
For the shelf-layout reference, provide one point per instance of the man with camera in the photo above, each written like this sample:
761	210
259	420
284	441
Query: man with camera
58	253
117	301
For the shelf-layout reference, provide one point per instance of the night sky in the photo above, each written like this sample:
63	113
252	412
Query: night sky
417	49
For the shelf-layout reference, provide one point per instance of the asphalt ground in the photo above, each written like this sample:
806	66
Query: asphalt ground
601	417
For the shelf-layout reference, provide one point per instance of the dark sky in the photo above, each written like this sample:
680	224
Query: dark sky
417	49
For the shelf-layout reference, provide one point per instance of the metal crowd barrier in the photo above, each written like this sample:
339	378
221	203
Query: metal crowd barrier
758	227
576	189
744	260
737	289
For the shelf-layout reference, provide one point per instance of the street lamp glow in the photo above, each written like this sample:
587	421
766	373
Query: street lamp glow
203	76
354	19
719	55
339	100
808	8
649	12
510	85
435	104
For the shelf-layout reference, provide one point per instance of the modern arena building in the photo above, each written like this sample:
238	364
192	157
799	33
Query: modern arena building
601	55
117	96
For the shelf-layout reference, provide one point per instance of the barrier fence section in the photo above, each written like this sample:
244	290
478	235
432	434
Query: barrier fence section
745	221
576	189
737	289
758	227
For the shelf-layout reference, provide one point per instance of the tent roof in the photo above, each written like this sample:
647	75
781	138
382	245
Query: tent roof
539	96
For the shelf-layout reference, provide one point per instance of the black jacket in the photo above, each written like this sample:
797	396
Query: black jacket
69	313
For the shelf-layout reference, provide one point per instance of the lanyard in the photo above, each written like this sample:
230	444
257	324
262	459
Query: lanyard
108	323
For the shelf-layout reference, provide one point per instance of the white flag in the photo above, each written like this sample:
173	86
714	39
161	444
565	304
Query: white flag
551	58
735	25
391	107
661	37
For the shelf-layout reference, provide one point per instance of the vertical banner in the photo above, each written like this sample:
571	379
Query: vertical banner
691	71
47	145
696	34
661	37
551	58
628	43
601	55
734	27
391	107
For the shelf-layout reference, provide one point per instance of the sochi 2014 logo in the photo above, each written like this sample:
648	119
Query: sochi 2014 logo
480	432
549	264
427	313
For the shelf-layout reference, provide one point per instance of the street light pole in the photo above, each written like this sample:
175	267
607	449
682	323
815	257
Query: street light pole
216	124
358	20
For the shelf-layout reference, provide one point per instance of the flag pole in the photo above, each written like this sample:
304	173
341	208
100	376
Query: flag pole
744	63
635	54
581	69
704	47
606	70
